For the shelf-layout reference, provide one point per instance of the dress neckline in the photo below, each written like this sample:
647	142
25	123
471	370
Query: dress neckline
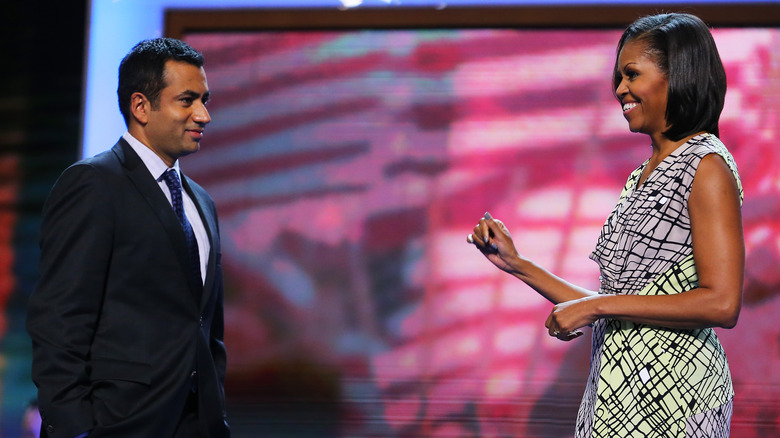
665	163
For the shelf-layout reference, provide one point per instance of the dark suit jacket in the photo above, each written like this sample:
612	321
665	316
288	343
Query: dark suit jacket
118	320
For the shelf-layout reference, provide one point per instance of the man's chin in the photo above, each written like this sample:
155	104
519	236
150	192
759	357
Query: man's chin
191	149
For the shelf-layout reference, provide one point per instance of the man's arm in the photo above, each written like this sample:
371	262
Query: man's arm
217	346
76	237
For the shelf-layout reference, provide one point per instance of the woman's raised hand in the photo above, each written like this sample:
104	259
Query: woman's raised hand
493	239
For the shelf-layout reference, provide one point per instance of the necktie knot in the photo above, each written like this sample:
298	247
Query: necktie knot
172	180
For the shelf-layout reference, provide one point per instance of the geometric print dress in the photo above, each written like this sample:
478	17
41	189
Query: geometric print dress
650	381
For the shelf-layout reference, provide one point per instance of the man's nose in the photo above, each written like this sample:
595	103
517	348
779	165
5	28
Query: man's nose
201	115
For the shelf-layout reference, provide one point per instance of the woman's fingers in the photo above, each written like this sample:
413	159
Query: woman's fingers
481	233
568	336
484	230
476	236
555	330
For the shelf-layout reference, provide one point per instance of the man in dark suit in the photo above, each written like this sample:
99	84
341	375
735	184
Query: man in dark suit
127	318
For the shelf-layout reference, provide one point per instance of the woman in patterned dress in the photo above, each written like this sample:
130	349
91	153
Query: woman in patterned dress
671	254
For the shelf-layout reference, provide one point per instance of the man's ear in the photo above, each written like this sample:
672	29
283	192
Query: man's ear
140	107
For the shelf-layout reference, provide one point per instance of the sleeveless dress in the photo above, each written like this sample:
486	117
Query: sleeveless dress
649	381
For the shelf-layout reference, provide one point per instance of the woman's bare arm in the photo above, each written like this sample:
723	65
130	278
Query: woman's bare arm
719	254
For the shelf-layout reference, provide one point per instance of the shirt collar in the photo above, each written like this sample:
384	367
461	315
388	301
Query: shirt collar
154	163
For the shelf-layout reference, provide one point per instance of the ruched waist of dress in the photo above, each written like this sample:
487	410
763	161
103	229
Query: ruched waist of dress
610	287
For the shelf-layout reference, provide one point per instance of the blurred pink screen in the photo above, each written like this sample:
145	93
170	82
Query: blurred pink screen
348	168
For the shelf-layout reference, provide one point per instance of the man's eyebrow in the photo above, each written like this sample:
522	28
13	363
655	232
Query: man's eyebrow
188	93
194	94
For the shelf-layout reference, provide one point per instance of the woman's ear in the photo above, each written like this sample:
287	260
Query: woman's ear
140	107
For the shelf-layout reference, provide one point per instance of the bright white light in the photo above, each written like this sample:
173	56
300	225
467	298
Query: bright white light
351	3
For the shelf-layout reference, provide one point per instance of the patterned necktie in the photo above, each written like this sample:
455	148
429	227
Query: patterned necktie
174	185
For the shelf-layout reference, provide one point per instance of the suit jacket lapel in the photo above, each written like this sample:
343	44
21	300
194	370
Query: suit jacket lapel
209	222
146	184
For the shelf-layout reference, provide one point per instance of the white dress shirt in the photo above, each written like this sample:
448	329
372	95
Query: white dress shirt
157	167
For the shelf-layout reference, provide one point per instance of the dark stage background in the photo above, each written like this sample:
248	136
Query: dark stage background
40	116
348	167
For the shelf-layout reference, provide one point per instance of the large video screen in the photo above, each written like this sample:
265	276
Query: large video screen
348	166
